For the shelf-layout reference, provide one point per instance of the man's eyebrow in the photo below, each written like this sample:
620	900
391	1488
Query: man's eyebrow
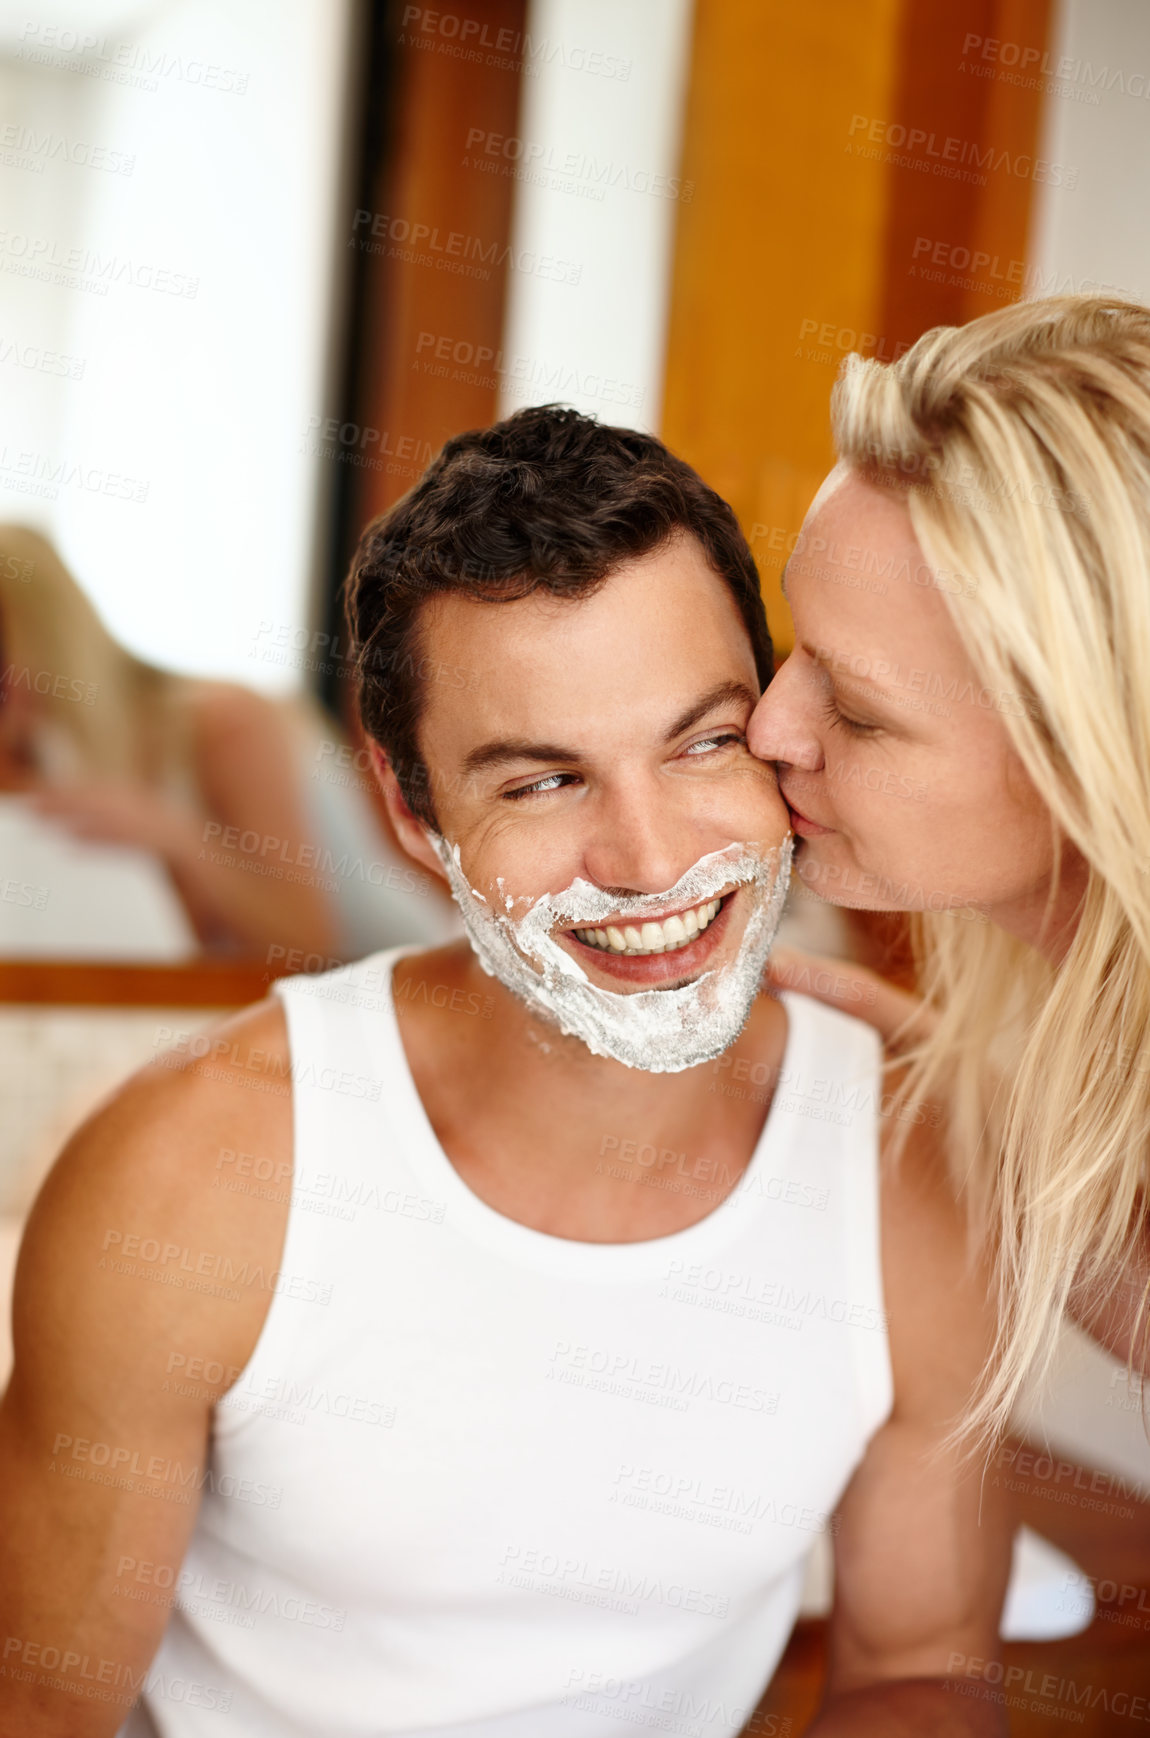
722	694
498	753
503	750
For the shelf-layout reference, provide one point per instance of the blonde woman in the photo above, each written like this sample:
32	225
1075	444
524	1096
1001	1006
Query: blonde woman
963	733
252	805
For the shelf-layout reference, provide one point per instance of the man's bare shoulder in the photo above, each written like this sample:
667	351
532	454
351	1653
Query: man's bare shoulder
164	1136
150	1223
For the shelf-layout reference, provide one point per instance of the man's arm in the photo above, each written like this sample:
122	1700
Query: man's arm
922	1553
102	1443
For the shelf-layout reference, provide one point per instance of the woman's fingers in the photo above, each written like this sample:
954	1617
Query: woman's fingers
854	989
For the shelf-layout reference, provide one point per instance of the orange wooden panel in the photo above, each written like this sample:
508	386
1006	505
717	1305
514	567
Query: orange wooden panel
84	983
833	148
961	199
778	259
437	242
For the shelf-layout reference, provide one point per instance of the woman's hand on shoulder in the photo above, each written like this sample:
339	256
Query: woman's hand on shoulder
898	1015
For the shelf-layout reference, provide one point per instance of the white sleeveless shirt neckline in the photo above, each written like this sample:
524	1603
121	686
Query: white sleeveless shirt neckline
478	1481
590	1261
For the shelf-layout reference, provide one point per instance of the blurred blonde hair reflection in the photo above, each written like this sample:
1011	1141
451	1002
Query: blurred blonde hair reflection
119	749
101	710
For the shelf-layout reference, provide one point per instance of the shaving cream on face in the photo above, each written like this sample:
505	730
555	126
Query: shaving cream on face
659	1031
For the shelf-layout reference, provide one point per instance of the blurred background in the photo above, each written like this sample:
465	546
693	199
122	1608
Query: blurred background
257	261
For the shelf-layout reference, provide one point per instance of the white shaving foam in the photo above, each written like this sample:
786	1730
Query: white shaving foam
659	1031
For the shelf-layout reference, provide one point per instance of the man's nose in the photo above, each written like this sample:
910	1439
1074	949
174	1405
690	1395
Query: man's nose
782	726
638	845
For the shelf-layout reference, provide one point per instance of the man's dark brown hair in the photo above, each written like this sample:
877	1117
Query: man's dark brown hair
548	500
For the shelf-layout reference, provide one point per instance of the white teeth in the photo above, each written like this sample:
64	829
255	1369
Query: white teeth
666	937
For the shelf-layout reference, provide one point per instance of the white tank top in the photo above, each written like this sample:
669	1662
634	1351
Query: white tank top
477	1481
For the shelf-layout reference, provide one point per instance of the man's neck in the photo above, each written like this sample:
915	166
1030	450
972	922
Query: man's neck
571	1143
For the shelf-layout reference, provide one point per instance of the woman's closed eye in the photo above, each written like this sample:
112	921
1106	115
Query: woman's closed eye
840	720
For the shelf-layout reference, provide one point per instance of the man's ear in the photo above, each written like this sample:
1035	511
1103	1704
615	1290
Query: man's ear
409	829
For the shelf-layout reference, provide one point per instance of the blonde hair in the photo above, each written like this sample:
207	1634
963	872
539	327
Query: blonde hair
121	715
1022	441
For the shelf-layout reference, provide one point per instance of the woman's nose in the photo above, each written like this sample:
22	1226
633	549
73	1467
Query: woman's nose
782	726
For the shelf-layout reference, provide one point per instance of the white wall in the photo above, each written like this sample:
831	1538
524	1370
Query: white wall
1096	235
196	315
596	158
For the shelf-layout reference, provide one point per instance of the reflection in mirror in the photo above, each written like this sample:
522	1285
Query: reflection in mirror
147	814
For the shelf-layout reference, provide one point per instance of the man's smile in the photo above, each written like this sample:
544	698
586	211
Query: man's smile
652	936
656	953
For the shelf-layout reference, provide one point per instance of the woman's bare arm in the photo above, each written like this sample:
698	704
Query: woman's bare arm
1110	1310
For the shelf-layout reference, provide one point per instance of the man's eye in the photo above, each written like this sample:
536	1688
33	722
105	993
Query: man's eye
554	781
708	744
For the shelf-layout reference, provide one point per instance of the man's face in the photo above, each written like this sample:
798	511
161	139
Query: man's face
600	740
